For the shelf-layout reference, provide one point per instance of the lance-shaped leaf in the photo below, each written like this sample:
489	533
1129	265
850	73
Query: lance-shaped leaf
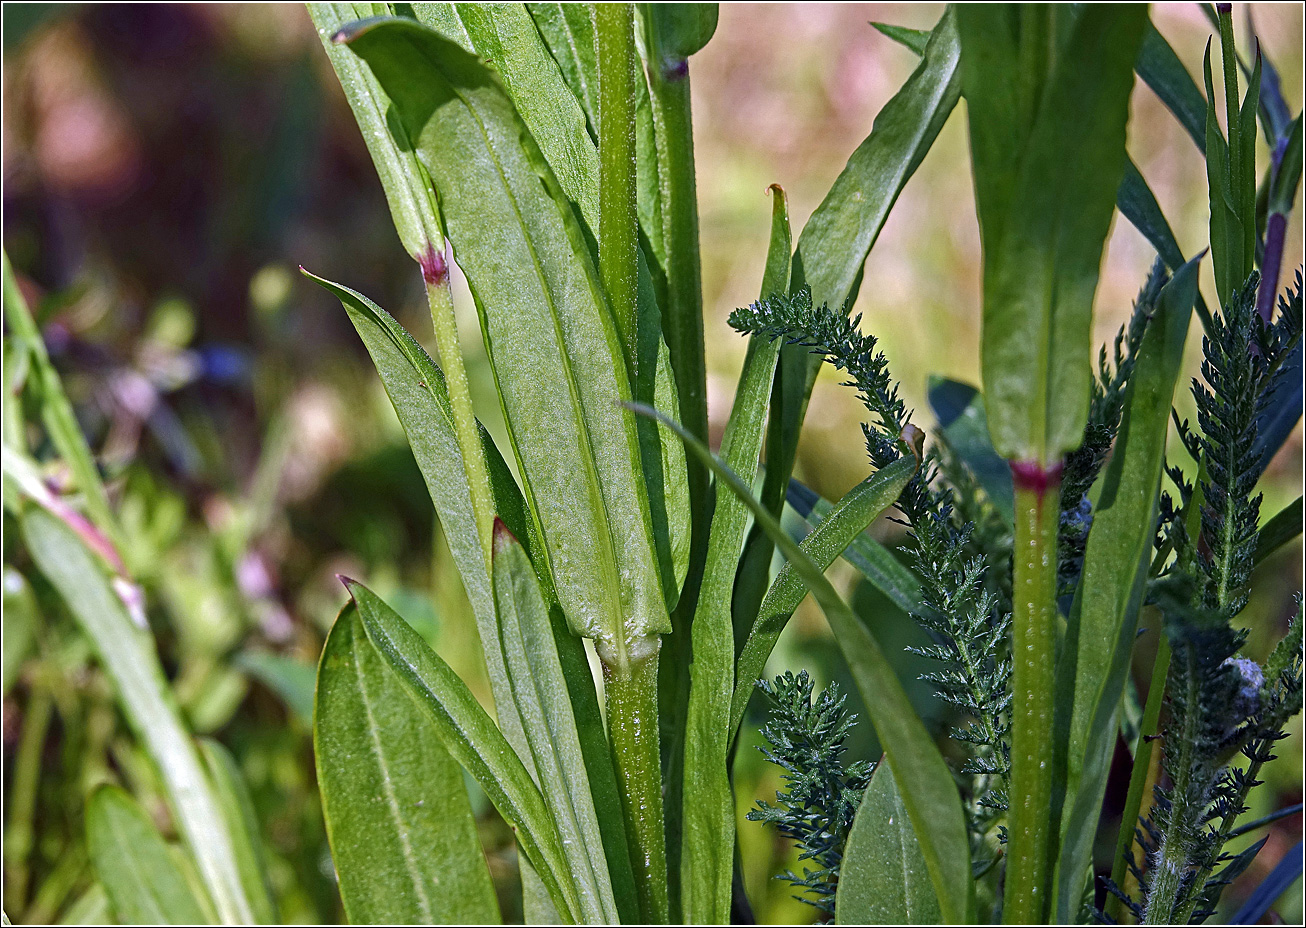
1047	136
551	339
505	35
883	879
568	31
928	790
473	740
132	665
1104	618
707	854
838	237
417	390
412	202
137	868
838	528
403	837
1161	69
540	690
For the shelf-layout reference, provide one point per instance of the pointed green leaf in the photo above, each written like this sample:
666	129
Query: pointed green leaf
1048	102
473	740
839	527
914	39
1104	618
883	879
129	659
551	339
144	884
928	790
1161	69
707	854
540	690
403	838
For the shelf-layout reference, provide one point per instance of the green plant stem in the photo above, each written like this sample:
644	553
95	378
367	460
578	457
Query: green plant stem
1139	778
1034	626
435	274
632	700
19	834
615	27
1230	58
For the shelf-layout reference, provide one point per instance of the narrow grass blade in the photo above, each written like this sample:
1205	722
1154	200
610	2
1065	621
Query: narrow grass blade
707	852
540	690
133	667
56	411
1105	615
928	790
913	39
1283	527
552	341
144	884
839	527
1161	69
247	842
884	879
473	740
876	562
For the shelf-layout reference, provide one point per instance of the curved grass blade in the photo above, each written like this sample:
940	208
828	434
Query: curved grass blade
238	809
1104	617
707	853
883	879
473	740
144	884
540	690
1286	872
1161	69
928	790
133	667
552	341
876	562
1283	527
841	526
402	835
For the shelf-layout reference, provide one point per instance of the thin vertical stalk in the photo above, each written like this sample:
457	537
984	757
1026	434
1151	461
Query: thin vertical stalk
632	700
435	274
19	835
1034	616
615	28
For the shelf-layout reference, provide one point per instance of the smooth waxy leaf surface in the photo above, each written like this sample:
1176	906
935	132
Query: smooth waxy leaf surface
540	690
838	528
143	881
133	667
928	790
551	339
402	834
1104	618
1048	149
884	880
473	740
568	31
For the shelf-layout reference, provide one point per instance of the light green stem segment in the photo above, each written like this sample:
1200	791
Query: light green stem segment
615	24
440	299
1034	617
632	699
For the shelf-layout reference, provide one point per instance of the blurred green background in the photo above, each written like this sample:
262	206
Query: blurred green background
166	168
